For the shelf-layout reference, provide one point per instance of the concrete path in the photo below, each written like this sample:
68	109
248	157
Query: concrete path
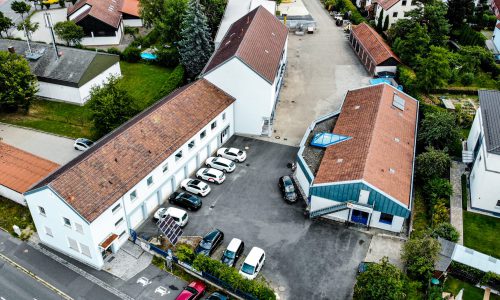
55	148
456	219
385	245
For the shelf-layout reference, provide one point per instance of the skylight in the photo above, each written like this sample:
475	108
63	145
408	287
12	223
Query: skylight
398	102
325	139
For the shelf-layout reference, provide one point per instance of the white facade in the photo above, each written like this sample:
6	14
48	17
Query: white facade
12	195
103	40
396	12
132	22
126	212
76	95
496	37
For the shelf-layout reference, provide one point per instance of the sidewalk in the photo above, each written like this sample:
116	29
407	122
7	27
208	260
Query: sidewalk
456	219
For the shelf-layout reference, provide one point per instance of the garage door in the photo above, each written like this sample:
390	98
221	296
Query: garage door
203	154
191	166
152	203
136	218
166	190
213	145
179	176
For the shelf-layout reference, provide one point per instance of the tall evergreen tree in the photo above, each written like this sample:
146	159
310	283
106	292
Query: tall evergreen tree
460	10
380	21
386	23
196	46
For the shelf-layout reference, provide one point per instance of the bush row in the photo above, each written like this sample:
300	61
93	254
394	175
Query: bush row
175	80
474	275
344	6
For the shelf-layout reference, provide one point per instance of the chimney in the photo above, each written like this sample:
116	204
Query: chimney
12	49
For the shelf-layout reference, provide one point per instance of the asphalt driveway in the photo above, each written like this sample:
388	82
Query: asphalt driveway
305	259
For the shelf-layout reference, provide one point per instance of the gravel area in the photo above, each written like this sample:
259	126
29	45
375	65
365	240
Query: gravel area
313	155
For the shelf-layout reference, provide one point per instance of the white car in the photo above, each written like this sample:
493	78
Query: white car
180	216
83	144
195	186
220	163
253	263
211	175
233	154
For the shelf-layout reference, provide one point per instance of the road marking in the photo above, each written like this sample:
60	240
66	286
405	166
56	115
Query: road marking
162	291
143	281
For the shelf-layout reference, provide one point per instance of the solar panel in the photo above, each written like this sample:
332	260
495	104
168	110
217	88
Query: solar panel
170	229
398	102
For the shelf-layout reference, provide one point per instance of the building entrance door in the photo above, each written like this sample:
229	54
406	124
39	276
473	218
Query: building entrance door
358	216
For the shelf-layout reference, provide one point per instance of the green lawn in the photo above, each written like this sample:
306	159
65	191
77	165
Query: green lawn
481	80
481	233
471	292
12	213
143	81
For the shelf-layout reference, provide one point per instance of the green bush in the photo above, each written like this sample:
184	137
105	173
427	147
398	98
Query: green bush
344	6
467	79
464	192
440	213
446	231
175	80
258	288
185	253
407	78
469	37
115	51
167	57
131	54
437	188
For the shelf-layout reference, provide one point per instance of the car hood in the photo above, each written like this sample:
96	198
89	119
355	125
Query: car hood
184	295
227	261
291	196
200	250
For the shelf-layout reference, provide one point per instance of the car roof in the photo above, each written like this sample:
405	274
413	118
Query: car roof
196	182
254	256
223	160
211	234
214	171
234	244
175	212
236	150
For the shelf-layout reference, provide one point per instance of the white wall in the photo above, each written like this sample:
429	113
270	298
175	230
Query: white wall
496	36
484	181
392	69
12	195
132	22
396	226
103	40
474	132
399	8
99	80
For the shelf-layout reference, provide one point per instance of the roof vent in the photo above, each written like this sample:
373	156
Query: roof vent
273	34
267	51
392	171
398	102
396	140
340	160
357	107
116	159
470	251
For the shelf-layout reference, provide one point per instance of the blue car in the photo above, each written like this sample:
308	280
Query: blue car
217	296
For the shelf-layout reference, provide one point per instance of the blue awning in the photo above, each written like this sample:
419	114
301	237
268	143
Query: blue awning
325	139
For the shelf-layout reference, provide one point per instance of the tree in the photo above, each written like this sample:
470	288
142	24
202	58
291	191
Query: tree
439	130
419	254
432	164
69	32
413	44
446	231
437	188
110	106
17	84
5	24
434	70
380	20
165	15
196	47
20	7
460	12
386	23
214	10
28	26
434	16
381	281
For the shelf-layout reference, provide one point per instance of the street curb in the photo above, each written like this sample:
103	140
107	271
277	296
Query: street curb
37	130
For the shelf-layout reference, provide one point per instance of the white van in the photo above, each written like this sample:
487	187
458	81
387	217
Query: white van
253	263
180	216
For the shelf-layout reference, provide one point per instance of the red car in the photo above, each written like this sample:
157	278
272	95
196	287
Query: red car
193	291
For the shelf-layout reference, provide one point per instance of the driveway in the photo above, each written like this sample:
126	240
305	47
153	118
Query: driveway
321	69
305	259
55	148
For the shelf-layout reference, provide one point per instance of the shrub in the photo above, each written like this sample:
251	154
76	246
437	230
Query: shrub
469	37
115	51
467	79
131	30
437	188
131	54
407	78
432	164
439	130
344	6
446	231
419	255
175	80
62	3
185	253
168	57
440	213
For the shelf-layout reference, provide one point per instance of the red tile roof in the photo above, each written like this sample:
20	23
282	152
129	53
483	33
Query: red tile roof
96	179
257	39
108	241
373	43
130	7
495	6
20	170
387	4
107	11
383	138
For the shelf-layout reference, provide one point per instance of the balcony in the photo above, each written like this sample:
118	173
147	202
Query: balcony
467	154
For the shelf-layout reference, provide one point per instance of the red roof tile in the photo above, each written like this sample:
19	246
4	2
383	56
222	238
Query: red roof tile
130	7
387	4
373	43
96	179
383	138
20	170
107	11
257	39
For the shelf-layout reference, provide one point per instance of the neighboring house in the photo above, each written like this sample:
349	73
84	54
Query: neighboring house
87	207
495	7
357	164
372	50
482	150
249	65
21	170
395	9
235	9
130	13
70	76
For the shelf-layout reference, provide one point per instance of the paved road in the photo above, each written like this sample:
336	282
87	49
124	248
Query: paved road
456	219
51	147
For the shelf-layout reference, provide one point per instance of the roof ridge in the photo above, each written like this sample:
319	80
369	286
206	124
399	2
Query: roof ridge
378	38
251	26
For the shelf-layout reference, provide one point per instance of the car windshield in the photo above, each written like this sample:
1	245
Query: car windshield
240	152
205	187
229	254
206	244
289	188
232	164
184	217
88	143
191	290
248	269
193	199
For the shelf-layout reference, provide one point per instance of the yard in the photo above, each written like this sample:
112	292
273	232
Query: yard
12	213
454	285
143	81
481	233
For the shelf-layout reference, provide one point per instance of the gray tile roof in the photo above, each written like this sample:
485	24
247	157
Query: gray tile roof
444	256
489	102
75	67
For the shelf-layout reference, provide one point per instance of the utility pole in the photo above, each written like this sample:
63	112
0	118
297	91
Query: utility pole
28	36
48	23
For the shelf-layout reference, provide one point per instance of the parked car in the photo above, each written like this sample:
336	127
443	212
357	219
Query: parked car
50	1
211	175
178	215
232	252
220	163
217	296
233	154
287	189
253	263
195	186
210	242
186	200
193	291
83	144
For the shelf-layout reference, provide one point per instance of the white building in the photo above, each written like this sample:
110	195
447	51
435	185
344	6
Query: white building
86	208
356	164
394	9
69	77
482	149
495	7
249	65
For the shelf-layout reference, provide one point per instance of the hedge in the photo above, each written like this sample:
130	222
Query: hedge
464	191
407	78
474	275
131	54
467	36
344	6
258	288
175	80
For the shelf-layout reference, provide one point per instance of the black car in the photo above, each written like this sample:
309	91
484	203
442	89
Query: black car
186	200
217	296
210	242
287	188
232	252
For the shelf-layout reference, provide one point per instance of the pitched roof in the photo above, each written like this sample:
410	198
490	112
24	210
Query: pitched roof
373	43
489	102
74	68
381	150
20	169
257	39
107	11
115	164
130	7
387	4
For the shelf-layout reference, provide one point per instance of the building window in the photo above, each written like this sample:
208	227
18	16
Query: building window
498	203
223	116
165	168
79	227
403	3
191	145
116	208
48	231
178	155
149	181
67	222
85	250
72	244
203	134
386	218
395	14
117	223
121	234
133	195
213	125
404	14
41	210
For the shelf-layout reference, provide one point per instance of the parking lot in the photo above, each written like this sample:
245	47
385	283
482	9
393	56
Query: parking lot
304	259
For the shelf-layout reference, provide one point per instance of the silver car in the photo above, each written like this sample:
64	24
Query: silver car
219	163
83	144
